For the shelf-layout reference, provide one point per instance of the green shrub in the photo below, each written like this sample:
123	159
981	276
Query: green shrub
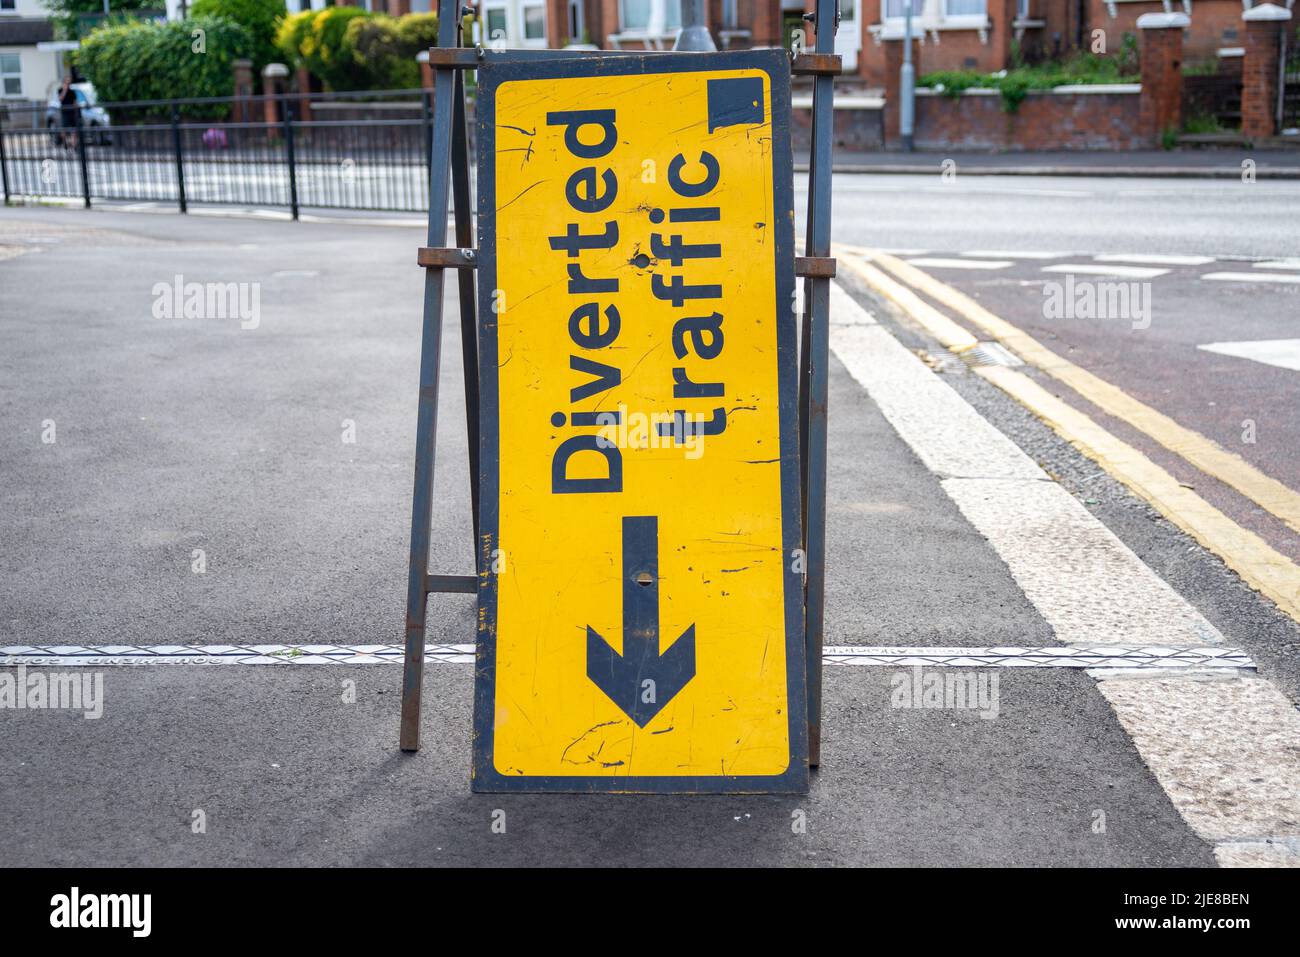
384	48
260	18
317	40
1015	84
158	61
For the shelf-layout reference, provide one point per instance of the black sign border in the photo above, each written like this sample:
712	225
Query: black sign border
485	777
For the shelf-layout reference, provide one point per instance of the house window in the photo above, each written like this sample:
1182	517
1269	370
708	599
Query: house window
534	21
11	74
964	8
7	4
652	15
897	9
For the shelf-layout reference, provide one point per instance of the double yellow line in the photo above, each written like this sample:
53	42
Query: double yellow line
1260	566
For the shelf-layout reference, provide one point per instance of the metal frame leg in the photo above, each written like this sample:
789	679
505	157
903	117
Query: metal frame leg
417	586
814	360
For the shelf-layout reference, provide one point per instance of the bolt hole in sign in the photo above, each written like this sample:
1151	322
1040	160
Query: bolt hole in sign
640	607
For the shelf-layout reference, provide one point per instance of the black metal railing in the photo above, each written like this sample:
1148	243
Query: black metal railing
263	152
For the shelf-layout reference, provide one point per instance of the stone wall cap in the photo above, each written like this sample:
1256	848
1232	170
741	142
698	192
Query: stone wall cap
1266	12
1163	21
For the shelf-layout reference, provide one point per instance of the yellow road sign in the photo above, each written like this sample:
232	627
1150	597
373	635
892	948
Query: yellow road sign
640	614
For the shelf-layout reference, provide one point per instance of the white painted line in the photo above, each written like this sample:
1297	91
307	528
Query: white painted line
1284	353
100	656
1096	269
1252	277
1096	658
1225	751
842	310
1153	259
1083	580
1277	264
1007	254
951	438
1087	583
1220	743
938	263
1280	852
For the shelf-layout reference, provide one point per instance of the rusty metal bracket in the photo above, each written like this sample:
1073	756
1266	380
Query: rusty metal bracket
446	257
816	64
454	58
814	267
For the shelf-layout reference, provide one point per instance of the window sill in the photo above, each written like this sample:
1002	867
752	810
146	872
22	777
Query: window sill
892	28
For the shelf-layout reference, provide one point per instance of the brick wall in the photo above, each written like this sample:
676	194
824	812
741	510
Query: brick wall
855	129
1044	121
1214	24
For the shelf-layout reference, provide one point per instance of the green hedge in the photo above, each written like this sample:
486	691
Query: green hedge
1015	84
385	47
261	18
315	39
157	61
350	49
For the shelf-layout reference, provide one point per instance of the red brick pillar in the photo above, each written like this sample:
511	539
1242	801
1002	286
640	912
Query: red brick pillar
765	24
426	71
243	70
893	47
1264	26
869	12
557	23
1160	105
302	80
274	76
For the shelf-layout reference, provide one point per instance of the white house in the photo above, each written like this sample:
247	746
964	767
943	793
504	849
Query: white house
30	61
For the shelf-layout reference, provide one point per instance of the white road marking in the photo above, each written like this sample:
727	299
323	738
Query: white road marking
1154	259
1224	751
1093	659
1007	254
1277	264
1097	269
961	263
1083	580
1270	853
1004	191
1284	353
1220	742
1252	277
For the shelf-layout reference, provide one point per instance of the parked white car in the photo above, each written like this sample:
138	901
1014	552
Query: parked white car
94	119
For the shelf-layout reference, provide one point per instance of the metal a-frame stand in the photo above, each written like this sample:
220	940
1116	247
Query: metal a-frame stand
450	162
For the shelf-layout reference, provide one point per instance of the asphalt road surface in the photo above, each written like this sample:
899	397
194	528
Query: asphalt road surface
955	521
1207	329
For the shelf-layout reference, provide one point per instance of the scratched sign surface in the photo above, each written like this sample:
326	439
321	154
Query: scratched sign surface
640	614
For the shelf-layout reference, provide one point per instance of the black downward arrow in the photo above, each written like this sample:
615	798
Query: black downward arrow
641	681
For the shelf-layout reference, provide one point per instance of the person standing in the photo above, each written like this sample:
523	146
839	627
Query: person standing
68	111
